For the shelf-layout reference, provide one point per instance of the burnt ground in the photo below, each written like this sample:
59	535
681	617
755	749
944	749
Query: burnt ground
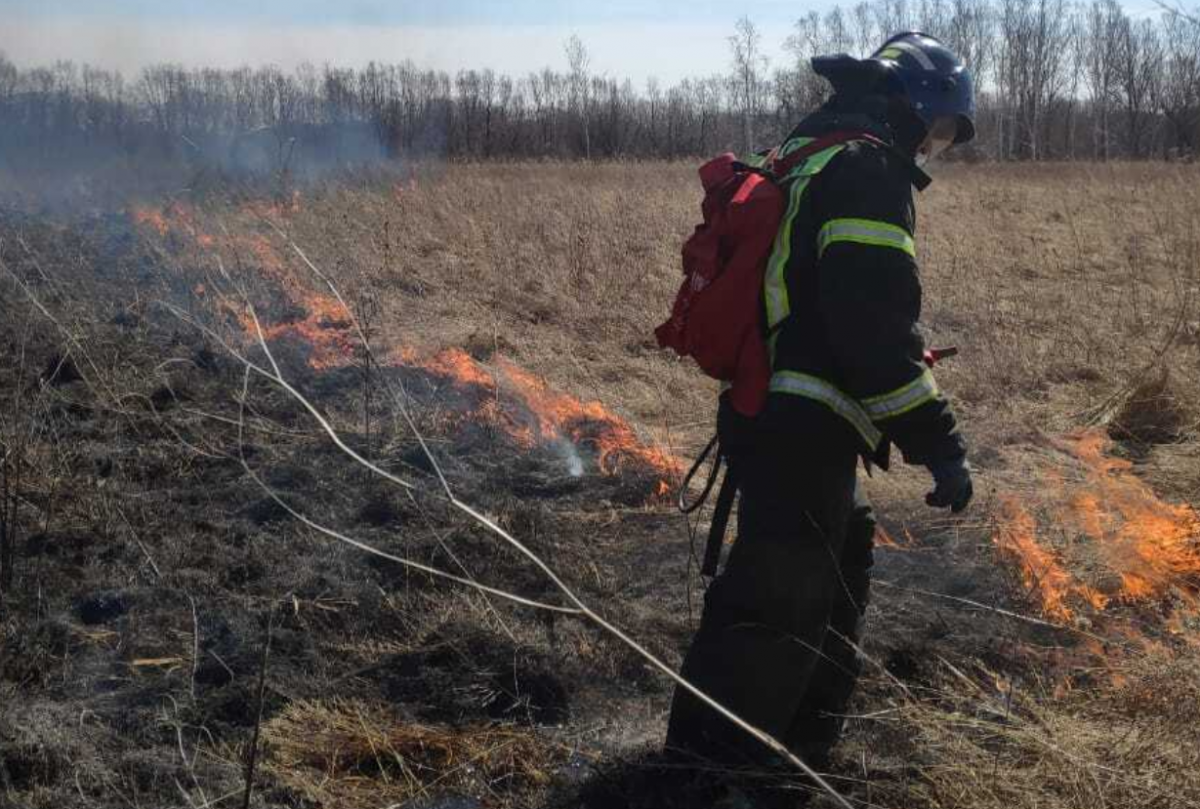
151	571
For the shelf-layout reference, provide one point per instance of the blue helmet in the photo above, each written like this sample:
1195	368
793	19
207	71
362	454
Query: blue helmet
934	80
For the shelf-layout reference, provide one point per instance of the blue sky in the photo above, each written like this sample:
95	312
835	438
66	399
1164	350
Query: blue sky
668	39
415	12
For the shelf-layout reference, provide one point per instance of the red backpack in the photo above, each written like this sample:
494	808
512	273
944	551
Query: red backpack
718	314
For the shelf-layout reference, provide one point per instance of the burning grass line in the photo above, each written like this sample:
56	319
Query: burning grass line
580	608
278	379
486	522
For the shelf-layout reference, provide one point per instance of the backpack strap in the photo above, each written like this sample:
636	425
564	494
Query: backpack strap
720	521
920	179
781	168
725	497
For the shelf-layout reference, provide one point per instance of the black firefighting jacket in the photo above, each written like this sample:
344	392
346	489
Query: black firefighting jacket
843	295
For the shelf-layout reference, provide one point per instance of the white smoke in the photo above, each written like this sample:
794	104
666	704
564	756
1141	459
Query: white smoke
571	457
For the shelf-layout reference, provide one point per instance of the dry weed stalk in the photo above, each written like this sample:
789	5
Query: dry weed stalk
1063	296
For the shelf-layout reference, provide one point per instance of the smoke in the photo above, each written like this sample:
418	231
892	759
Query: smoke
571	457
76	175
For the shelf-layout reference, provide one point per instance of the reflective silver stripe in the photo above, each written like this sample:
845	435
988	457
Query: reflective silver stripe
817	389
865	231
902	400
916	53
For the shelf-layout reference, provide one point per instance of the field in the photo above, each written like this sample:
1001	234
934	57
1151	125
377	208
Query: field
184	601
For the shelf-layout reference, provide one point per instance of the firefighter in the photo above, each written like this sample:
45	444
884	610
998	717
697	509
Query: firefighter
778	639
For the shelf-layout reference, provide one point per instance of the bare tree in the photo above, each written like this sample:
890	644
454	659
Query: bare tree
1104	25
864	30
1034	38
1139	65
1076	46
579	61
1055	79
1179	89
749	68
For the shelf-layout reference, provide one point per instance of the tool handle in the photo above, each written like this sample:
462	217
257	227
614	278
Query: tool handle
935	355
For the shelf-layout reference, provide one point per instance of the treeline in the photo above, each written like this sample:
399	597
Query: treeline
1058	80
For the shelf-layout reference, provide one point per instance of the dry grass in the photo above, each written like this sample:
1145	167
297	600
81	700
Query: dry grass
1071	289
1061	283
350	754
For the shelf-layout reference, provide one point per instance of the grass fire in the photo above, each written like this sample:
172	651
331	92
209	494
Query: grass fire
342	466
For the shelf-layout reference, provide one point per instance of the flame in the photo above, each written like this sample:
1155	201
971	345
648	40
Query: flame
323	329
584	423
402	187
1154	545
455	365
512	399
278	208
884	540
151	218
1120	537
555	416
1041	571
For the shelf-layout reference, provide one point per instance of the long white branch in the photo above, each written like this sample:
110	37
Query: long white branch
489	524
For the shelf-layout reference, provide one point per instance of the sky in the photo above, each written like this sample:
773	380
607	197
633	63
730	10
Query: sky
669	39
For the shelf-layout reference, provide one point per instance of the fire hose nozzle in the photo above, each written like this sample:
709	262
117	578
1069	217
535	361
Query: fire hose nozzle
935	355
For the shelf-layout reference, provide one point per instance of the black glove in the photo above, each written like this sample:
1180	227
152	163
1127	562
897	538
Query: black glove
952	485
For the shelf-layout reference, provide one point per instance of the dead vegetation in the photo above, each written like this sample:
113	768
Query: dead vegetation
350	754
147	563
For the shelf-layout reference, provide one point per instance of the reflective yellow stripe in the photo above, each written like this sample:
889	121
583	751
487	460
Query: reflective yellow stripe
776	287
865	231
792	145
775	284
813	164
921	390
817	389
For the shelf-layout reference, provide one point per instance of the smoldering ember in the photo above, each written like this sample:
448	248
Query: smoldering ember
353	446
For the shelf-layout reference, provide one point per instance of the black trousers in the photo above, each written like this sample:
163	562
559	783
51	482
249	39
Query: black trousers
778	636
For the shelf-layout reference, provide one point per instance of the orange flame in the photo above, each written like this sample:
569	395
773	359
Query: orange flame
324	327
584	423
1154	546
884	540
153	219
556	416
1042	573
276	209
1120	542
